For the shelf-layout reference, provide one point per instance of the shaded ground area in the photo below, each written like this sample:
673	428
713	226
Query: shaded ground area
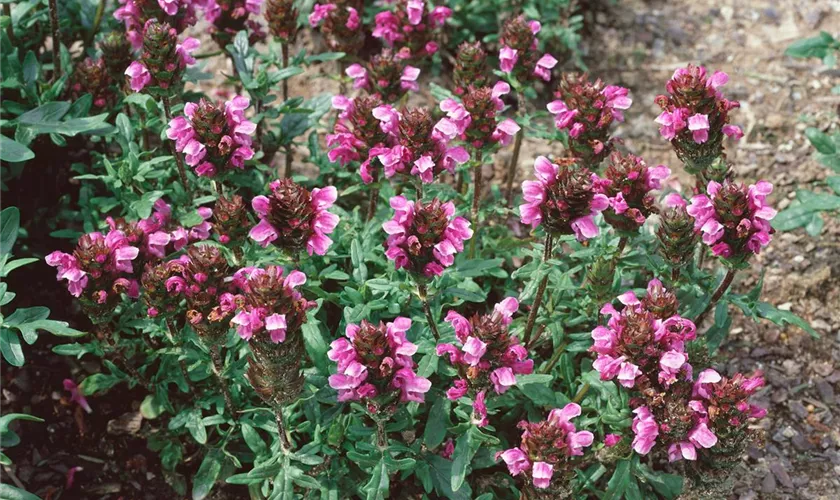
637	44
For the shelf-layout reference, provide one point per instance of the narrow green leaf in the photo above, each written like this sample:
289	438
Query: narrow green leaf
207	474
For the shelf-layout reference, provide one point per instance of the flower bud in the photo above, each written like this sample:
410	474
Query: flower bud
470	67
281	16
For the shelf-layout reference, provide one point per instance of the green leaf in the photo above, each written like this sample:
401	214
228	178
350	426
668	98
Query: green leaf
151	408
10	347
465	448
821	142
437	423
13	151
324	56
379	484
207	474
441	472
98	382
718	332
59	328
8	492
809	47
196	426
769	312
619	481
9	224
669	486
253	440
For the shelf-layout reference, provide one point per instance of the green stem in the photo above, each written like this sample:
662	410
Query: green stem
554	359
10	30
476	201
581	394
207	55
422	291
381	435
535	307
56	40
218	368
97	21
106	333
182	172
374	195
517	146
721	289
285	443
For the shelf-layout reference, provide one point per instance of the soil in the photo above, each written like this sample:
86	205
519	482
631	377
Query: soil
634	43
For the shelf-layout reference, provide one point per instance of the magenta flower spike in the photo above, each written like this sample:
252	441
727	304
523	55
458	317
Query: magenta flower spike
564	199
340	22
294	218
628	182
214	140
519	53
376	361
423	238
734	219
358	135
695	116
268	318
489	357
475	119
180	14
163	60
547	449
409	30
386	76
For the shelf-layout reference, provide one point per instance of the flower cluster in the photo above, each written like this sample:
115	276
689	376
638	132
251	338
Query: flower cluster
385	76
470	67
375	361
91	76
158	235
712	414
281	16
358	134
695	116
270	314
734	219
117	55
214	140
645	340
423	238
162	61
179	14
294	218
548	447
489	356
269	305
518	54
420	146
229	17
341	23
409	30
98	271
564	199
677	239
230	219
627	182
201	277
587	109
474	120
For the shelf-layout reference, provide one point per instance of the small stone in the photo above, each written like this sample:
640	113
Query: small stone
789	432
774	120
798	409
785	306
791	367
826	392
781	474
801	443
823	368
727	12
768	484
779	396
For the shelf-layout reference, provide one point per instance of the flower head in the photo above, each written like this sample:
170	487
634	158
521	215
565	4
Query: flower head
548	447
676	235
734	219
563	199
423	238
386	76
376	360
695	116
281	16
92	77
519	54
229	17
294	218
409	30
340	22
587	109
214	140
180	14
627	183
269	306
470	67
358	135
163	60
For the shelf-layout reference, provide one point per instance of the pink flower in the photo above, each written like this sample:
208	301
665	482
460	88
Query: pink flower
542	474
353	21
76	395
408	80
733	131
479	416
386	354
507	59
516	460
139	75
319	13
699	126
645	429
275	320
611	440
544	66
415	10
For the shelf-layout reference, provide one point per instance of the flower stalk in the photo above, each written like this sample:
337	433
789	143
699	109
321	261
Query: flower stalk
517	146
56	40
285	443
182	172
721	289
218	368
535	308
422	292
